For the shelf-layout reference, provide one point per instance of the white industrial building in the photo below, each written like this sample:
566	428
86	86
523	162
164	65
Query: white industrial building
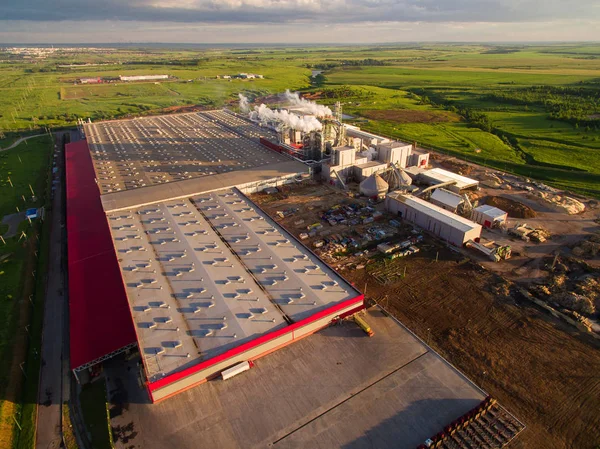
395	153
446	199
368	154
95	80
418	158
437	176
489	216
362	140
143	77
346	162
439	222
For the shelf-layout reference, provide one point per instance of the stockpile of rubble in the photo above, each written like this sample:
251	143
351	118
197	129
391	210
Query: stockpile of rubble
568	287
565	203
529	233
588	248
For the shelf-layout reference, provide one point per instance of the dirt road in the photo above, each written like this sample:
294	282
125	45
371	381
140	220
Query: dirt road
22	139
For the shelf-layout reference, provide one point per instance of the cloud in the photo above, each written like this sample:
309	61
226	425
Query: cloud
298	11
295	33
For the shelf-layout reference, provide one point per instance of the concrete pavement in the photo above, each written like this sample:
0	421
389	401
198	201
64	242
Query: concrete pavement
53	386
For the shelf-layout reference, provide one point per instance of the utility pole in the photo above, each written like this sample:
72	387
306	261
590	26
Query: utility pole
17	423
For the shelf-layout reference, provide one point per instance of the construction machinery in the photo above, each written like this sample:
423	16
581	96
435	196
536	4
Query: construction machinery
529	233
491	249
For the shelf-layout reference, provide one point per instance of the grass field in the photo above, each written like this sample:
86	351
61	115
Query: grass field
532	144
26	164
392	81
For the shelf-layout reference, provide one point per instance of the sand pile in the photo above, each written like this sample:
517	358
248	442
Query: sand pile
567	204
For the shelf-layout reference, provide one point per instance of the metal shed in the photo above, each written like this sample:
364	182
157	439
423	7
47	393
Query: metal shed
489	216
446	199
440	176
440	222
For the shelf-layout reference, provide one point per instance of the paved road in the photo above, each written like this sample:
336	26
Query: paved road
22	139
54	344
13	221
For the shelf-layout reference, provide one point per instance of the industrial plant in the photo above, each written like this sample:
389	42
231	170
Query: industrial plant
341	154
168	246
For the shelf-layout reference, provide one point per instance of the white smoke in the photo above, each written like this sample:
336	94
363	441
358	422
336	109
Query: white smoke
283	118
318	110
244	103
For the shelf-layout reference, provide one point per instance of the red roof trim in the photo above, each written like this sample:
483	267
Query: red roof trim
99	316
153	386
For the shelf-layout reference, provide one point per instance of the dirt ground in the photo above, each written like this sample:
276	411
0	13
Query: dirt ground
536	366
453	165
540	369
566	230
515	209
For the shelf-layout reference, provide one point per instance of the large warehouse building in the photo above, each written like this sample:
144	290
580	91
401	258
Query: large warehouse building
177	260
172	264
446	225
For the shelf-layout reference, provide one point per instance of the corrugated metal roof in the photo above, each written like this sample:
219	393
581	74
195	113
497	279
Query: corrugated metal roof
446	197
441	175
99	319
490	211
374	185
436	212
182	189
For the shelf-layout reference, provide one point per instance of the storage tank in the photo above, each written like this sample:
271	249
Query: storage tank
404	179
374	186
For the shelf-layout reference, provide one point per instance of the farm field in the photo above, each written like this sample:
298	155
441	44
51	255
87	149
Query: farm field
527	109
25	165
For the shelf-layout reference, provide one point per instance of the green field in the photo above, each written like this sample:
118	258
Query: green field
26	165
541	104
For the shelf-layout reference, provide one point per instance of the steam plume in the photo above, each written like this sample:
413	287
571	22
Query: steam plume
267	116
244	103
308	106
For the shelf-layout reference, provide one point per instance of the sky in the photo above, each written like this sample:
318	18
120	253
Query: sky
297	21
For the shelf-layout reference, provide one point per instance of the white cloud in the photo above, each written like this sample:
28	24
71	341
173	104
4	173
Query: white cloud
298	21
295	33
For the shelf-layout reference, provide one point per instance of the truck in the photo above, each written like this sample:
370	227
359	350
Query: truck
363	325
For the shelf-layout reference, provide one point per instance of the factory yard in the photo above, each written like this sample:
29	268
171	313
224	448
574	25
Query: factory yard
542	369
337	388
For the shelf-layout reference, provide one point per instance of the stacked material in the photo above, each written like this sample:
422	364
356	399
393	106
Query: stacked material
567	204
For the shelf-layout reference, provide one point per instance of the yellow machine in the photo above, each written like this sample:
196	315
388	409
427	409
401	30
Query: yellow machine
364	326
